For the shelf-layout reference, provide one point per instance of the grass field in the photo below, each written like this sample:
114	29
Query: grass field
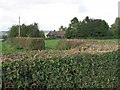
6	48
51	44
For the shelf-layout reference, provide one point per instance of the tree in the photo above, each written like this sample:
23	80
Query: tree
115	27
13	32
42	34
33	30
87	19
25	30
94	27
62	28
100	28
72	31
87	28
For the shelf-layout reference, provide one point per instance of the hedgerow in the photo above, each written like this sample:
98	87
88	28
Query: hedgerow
76	71
27	43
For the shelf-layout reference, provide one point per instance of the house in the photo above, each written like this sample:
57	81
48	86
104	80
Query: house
56	34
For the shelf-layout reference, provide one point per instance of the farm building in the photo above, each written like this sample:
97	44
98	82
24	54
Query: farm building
56	34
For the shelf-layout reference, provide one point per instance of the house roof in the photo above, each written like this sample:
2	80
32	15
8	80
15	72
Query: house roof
56	33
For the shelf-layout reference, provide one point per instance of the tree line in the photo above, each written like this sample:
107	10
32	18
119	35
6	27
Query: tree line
77	29
91	28
31	30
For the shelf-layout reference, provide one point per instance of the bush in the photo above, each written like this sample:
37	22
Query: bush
37	43
65	44
78	71
28	43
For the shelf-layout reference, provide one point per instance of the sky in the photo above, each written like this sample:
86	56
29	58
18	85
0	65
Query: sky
51	14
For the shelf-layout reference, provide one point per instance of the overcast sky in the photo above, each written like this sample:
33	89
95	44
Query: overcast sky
51	14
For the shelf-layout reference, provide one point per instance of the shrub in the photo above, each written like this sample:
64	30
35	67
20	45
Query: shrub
78	71
28	43
65	44
37	43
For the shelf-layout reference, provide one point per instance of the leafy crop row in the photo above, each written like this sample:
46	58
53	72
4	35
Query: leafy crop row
77	71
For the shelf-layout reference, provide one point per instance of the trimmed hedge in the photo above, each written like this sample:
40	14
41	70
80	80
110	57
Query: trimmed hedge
28	43
78	71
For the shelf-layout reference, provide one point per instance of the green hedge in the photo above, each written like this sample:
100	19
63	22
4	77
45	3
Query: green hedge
77	71
28	43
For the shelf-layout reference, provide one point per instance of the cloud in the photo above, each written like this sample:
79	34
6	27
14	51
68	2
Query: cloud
82	9
50	14
103	9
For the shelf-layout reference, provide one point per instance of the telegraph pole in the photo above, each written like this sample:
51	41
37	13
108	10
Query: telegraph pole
119	9
19	27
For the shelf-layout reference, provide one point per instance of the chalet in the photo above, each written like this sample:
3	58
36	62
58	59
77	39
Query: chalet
56	34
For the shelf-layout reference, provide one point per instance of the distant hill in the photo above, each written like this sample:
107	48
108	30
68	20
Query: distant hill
3	33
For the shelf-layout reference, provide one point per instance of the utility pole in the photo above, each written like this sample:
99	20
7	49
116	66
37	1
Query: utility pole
119	9
19	27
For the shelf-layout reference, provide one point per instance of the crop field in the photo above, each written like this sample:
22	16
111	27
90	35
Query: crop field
67	63
61	48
